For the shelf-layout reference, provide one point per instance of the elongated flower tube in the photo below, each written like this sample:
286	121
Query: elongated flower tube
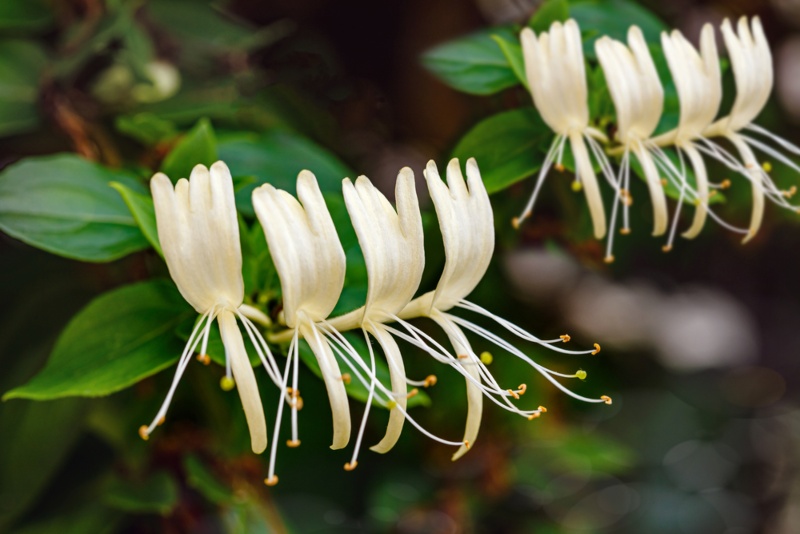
199	235
638	98
310	262
751	61
698	82
556	75
466	221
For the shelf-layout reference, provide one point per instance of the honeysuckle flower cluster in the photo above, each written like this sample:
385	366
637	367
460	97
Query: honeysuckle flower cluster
198	230
554	65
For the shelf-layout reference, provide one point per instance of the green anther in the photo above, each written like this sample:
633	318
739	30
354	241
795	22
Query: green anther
486	358
227	383
577	186
391	405
581	374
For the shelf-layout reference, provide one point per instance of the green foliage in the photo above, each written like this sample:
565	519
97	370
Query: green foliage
508	147
197	147
200	477
547	13
474	64
25	16
147	128
141	207
64	205
613	18
21	67
117	340
512	50
157	493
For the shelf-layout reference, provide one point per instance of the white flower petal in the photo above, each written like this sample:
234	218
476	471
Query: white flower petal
397	375
245	380
701	177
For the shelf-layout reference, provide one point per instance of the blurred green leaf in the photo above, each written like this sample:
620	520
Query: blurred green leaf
91	518
197	147
547	13
276	157
21	67
507	146
30	459
199	477
512	51
355	389
141	207
158	493
117	340
613	18
63	204
473	64
25	15
146	128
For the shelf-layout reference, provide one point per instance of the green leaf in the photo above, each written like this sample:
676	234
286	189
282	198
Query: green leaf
92	518
512	51
355	389
25	15
197	147
547	13
117	340
200	477
507	146
473	64
276	157
21	66
146	128
63	204
141	207
158	494
613	18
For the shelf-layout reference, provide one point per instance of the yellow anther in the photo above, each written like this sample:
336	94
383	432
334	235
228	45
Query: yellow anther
293	443
534	415
515	222
298	403
486	358
625	231
712	193
350	466
346	378
628	200
522	388
204	359
565	337
430	380
143	432
466	443
542	409
581	374
606	399
226	383
790	192
664	182
391	405
749	165
161	421
271	481
463	356
559	167
767	166
726	183
696	202
577	186
609	258
513	393
411	393
596	349
666	248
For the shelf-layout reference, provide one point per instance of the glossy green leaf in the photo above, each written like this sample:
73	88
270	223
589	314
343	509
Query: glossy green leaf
276	157
473	64
146	128
197	147
21	66
613	18
547	13
117	340
508	147
512	51
158	494
141	207
355	389
63	204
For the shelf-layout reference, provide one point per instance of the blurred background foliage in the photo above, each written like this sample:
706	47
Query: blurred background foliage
700	345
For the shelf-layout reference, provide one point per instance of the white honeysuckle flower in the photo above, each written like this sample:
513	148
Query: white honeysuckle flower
310	262
638	98
556	74
467	225
199	234
698	82
751	61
